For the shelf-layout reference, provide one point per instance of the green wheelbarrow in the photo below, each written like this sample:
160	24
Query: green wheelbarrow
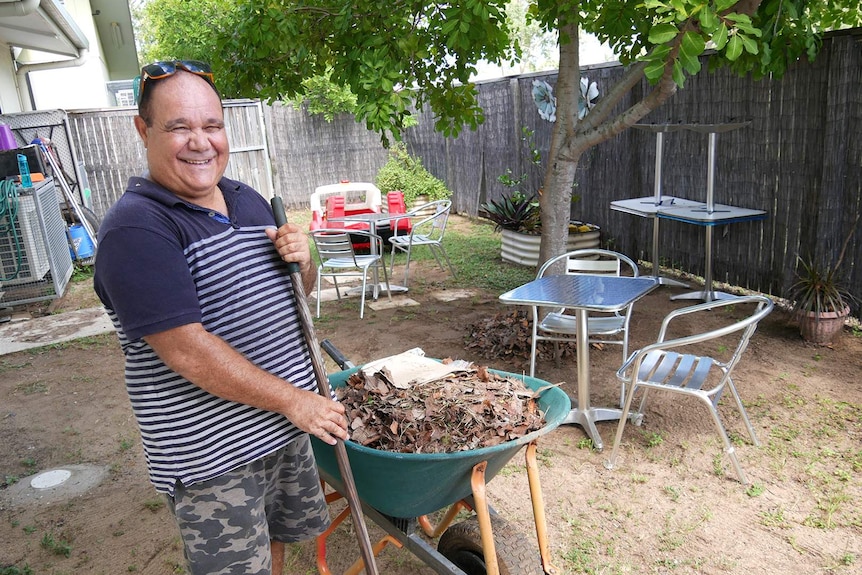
399	490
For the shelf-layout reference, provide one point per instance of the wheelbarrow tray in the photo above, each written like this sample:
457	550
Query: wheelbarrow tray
408	485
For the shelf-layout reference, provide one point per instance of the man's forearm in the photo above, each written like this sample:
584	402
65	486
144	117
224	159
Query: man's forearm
210	363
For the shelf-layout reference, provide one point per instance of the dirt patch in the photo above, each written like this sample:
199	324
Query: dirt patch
672	505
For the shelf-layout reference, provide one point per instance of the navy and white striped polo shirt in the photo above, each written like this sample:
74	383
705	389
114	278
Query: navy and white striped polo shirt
163	263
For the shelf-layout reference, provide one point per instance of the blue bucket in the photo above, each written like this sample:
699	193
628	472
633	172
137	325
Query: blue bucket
81	241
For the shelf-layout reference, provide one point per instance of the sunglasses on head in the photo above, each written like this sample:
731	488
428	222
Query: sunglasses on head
159	70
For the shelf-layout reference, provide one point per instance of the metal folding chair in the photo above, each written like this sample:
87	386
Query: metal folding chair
339	260
559	326
428	231
661	367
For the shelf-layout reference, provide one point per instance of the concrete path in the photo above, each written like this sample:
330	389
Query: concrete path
25	333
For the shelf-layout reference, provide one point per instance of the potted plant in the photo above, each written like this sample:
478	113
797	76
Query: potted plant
821	303
518	217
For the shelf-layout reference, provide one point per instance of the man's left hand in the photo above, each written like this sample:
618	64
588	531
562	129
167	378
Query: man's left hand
292	244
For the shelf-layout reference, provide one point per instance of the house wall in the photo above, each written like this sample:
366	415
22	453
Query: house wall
78	86
9	100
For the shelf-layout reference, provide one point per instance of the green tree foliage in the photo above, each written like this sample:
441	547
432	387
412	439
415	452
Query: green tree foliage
184	30
322	96
375	49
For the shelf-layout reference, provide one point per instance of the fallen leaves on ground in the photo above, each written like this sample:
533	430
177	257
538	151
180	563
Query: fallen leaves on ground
466	410
507	335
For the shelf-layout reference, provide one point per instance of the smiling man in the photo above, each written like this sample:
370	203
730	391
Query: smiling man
191	271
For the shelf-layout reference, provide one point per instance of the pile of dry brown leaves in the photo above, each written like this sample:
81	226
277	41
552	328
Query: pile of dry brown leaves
465	410
508	335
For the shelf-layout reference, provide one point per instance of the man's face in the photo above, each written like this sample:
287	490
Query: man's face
187	148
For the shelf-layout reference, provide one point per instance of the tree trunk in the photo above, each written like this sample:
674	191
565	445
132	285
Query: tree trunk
572	137
555	201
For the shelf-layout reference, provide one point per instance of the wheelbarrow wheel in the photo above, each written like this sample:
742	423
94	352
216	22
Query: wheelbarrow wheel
462	545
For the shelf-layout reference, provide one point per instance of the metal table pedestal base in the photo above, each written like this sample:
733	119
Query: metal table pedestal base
587	419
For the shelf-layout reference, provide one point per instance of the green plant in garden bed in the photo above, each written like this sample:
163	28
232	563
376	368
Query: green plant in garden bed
515	211
405	173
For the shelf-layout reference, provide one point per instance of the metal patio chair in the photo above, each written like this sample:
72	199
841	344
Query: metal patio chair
560	325
661	367
428	231
338	259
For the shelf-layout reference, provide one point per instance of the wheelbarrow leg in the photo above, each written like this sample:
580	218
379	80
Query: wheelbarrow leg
538	508
477	482
434	532
322	566
358	565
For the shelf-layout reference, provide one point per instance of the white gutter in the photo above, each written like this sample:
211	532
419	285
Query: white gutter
52	11
18	7
25	69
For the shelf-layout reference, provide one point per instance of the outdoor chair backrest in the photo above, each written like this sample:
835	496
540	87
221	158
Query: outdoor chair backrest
592	261
433	227
333	244
335	208
396	205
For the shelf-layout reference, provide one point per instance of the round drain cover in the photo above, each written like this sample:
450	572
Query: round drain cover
50	479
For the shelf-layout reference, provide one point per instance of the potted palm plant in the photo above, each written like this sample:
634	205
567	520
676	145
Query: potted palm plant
821	303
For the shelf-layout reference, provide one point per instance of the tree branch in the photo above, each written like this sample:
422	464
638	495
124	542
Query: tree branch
605	105
665	88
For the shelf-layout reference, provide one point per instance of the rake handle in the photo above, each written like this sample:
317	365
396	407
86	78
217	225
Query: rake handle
324	389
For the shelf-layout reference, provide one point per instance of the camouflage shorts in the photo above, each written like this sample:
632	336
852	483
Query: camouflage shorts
226	523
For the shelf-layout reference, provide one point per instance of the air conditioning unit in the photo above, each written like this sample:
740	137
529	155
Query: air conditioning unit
23	253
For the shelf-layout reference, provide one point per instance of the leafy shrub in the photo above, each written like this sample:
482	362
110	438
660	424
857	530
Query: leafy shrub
406	173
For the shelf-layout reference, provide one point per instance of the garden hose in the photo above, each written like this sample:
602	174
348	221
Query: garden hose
8	219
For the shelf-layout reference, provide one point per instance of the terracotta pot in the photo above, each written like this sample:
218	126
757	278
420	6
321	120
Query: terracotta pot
823	327
523	249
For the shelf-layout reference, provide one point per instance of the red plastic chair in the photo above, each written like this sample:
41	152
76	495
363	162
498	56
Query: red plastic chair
396	205
335	209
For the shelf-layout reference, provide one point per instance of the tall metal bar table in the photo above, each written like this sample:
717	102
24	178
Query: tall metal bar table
583	293
709	218
709	215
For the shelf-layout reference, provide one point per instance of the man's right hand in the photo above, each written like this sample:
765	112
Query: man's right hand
319	416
